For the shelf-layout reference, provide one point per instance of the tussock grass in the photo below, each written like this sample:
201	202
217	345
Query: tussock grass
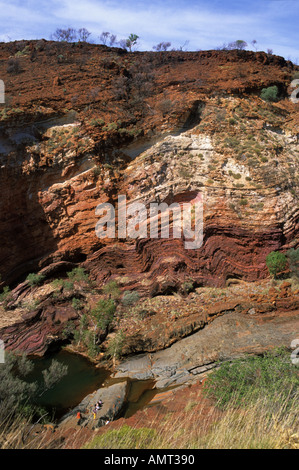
253	427
17	432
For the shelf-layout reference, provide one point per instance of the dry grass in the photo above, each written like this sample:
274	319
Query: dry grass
13	433
253	427
256	427
20	433
195	427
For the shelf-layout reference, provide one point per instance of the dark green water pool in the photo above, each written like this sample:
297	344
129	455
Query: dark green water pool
82	378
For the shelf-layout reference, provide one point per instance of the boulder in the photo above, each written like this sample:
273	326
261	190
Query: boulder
113	398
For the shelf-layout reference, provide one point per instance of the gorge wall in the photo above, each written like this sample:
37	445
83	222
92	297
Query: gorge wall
84	124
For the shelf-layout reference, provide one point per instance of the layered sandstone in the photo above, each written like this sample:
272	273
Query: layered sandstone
83	128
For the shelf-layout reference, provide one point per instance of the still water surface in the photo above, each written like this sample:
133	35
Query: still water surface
82	379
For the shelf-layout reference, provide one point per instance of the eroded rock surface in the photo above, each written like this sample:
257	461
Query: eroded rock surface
226	338
68	148
172	127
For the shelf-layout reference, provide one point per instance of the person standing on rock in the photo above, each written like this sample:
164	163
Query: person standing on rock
79	418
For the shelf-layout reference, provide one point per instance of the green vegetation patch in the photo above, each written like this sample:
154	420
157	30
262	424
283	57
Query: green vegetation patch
17	394
276	263
124	438
273	377
35	279
130	297
112	289
270	93
103	312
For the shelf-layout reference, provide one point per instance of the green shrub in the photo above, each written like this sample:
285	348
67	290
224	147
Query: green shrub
276	263
270	93
92	347
68	285
243	202
81	333
57	283
77	303
97	122
83	322
54	374
69	330
104	312
232	142
130	297
112	288
111	126
17	394
187	287
35	279
115	345
31	305
272	376
5	293
78	274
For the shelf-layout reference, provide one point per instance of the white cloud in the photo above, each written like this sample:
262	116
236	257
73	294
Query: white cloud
155	23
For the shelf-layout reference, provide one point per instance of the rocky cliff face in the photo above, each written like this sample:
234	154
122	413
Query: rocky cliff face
84	124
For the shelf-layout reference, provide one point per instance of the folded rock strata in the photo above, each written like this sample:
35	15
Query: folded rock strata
197	130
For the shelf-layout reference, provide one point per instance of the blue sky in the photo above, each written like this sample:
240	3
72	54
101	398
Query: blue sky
205	24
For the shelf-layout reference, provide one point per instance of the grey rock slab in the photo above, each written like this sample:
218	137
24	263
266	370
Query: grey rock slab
139	367
227	337
113	398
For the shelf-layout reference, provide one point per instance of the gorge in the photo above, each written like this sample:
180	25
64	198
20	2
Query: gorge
83	124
